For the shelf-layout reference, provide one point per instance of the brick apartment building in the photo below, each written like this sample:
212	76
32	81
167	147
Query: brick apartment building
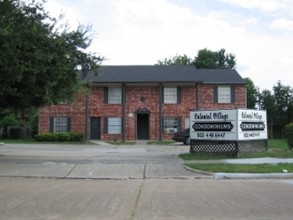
144	102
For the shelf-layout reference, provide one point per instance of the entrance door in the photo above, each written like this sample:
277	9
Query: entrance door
142	126
95	128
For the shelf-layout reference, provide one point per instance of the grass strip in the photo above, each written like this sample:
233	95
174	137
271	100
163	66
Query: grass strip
33	141
242	168
214	156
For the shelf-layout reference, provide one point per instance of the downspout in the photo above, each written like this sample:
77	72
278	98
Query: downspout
123	111
197	97
160	111
86	117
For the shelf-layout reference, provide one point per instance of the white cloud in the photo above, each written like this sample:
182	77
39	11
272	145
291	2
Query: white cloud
283	24
71	14
133	32
157	29
263	5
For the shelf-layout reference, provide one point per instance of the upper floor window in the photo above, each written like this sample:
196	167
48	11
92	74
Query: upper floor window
113	95
172	95
224	94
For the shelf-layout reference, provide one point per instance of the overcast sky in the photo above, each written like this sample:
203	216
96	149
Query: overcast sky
141	32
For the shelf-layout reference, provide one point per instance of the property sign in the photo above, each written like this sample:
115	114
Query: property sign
252	124
234	124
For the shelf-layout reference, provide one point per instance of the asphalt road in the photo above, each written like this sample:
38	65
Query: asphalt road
127	182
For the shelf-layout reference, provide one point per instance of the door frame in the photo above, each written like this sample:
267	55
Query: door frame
143	111
99	128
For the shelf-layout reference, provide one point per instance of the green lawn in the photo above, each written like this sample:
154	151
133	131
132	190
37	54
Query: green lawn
276	148
242	168
278	144
33	141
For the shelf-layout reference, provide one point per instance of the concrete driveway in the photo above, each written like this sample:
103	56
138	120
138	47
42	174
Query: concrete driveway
100	161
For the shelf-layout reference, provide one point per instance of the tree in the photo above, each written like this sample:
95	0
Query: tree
207	59
38	60
284	102
252	93
279	106
176	60
267	102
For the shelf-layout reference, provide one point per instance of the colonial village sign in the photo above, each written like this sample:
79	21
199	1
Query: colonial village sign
228	125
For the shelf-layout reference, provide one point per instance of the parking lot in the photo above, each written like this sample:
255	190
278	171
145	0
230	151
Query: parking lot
94	161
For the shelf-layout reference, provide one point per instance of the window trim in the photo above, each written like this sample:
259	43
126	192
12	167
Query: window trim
107	124
175	128
108	91
217	98
54	124
177	96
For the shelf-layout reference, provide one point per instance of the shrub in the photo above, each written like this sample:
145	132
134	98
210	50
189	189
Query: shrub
76	136
63	137
60	137
289	134
14	132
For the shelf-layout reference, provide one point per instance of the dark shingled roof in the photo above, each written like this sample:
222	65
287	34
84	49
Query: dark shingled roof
164	74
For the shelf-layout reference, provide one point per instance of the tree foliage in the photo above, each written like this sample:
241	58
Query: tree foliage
267	102
38	60
205	59
284	102
279	104
176	60
252	93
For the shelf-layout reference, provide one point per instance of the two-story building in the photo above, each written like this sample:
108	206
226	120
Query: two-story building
144	102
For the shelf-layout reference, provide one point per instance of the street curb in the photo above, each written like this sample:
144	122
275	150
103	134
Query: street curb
253	175
198	171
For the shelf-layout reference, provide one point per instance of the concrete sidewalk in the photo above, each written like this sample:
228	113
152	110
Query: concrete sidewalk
37	198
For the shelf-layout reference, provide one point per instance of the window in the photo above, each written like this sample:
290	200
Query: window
114	125
170	125
224	94
114	95
170	95
60	124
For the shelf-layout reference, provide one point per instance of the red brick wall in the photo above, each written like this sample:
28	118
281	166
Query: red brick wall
137	97
207	98
75	110
142	97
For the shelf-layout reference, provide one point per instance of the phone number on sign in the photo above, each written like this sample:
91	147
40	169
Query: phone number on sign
211	135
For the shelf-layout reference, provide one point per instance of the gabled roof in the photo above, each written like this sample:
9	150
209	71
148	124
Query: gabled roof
164	74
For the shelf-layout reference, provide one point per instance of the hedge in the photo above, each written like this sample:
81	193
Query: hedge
289	134
60	137
15	132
